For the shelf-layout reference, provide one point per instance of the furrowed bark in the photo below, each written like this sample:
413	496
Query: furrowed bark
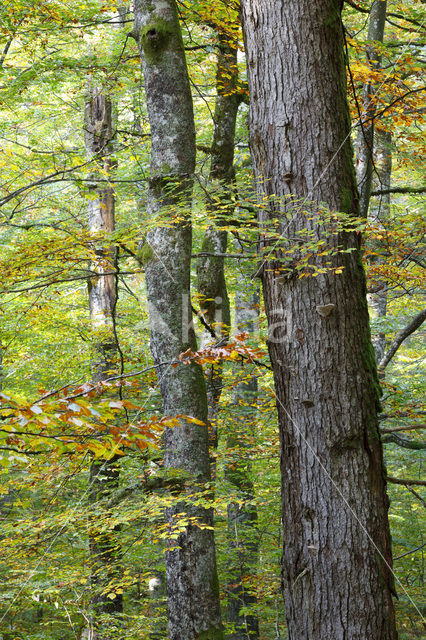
365	138
242	517
211	283
337	578
104	547
192	584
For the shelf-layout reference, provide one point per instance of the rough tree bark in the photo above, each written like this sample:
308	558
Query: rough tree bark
336	565
192	584
104	473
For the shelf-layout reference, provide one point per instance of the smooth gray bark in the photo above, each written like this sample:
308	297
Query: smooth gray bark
379	212
242	515
211	283
374	157
336	564
365	138
215	307
192	586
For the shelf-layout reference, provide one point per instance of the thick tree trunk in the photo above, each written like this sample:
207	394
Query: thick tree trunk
104	473
337	578
365	139
242	515
192	584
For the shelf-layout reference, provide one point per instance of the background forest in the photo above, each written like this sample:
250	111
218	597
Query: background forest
79	389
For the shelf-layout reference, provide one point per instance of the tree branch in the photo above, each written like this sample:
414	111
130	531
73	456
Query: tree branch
400	16
150	483
391	104
406	481
401	414
406	443
411	428
239	256
383	192
416	495
41	181
407	553
415	323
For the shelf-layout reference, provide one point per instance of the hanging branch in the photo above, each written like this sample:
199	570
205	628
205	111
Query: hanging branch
408	553
415	323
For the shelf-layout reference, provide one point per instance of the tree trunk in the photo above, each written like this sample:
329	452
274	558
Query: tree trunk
368	162
365	139
157	596
211	285
379	212
337	578
104	547
192	584
242	515
214	304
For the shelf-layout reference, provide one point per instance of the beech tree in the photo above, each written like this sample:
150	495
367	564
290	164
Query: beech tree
374	155
242	513
192	584
337	564
104	472
211	282
73	554
365	141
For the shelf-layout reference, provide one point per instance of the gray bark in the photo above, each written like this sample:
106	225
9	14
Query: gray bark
211	283
214	304
191	575
104	548
242	517
379	212
365	138
336	564
374	158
